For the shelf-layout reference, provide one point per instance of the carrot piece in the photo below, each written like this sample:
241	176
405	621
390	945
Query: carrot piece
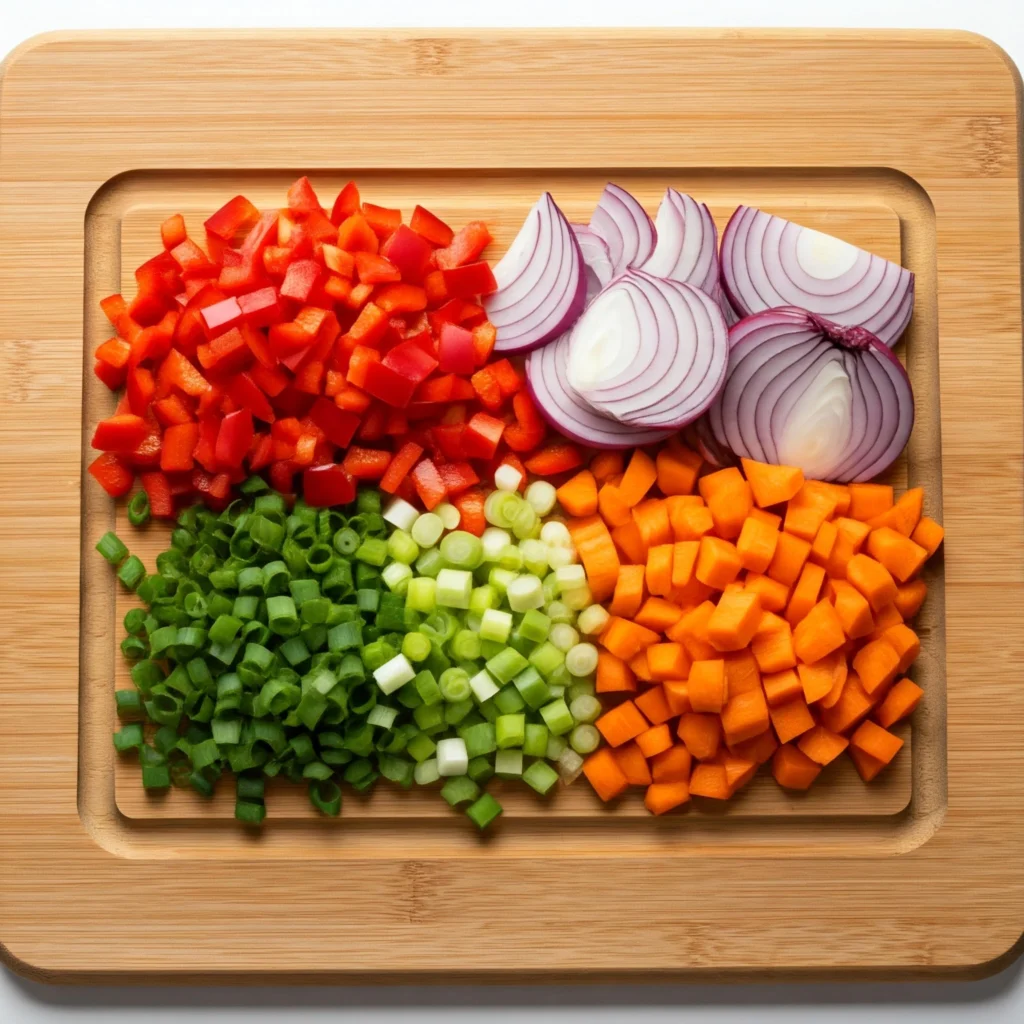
597	553
928	534
658	614
885	619
774	595
612	506
772	645
659	570
718	562
793	769
729	500
651	518
851	708
640	668
823	543
772	485
655	740
633	764
654	704
690	522
819	678
707	685
662	797
621	724
738	771
741	673
840	671
629	591
605	465
781	687
693	594
872	579
899	702
756	544
791	553
876	742
578	495
684	560
735	620
604	774
822	745
876	663
629	543
869	500
625	639
672	765
638	479
807	510
692	632
805	593
867	766
745	716
904	515
668	661
701	734
910	597
852	608
905	642
900	555
613	674
819	633
677	470
759	749
677	693
710	780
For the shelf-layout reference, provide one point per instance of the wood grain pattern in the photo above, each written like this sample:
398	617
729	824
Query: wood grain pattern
883	151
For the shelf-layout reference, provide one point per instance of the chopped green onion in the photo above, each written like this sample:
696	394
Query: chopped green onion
430	563
484	810
508	701
508	763
511	558
460	789
465	645
541	496
421	594
540	776
425	773
535	626
420	747
547	659
570	764
559	612
535	740
494	541
563	636
156	776
394	674
132	571
584	739
449	515
454	586
403	548
480	769
128	737
592	620
401	514
112	548
325	796
138	508
483	686
282	617
506	665
524	592
250	812
578	599
532	687
581	660
373	551
557	717
415	646
501	507
454	684
452	758
585	708
462	550
534	556
556	745
510	731
496	625
427	529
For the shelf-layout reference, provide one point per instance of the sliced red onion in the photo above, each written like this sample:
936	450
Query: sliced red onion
625	227
649	352
768	262
567	412
597	261
806	391
687	248
541	285
700	437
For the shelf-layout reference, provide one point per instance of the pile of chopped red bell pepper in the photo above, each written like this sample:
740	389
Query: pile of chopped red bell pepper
319	348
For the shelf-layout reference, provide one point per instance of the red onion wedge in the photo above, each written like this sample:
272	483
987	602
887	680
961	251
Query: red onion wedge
649	352
769	262
805	391
687	248
567	412
541	285
624	225
597	261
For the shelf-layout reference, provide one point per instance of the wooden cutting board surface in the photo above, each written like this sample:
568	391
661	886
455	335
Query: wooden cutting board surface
905	143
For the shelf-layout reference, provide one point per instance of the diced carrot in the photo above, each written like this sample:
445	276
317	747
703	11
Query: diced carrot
876	742
805	593
840	672
824	542
807	510
718	562
735	620
900	555
672	765
819	678
793	769
640	668
624	638
738	771
905	642
578	495
677	470
928	534
629	544
774	595
638	479
662	797
876	664
899	702
772	645
745	716
741	673
772	485
597	553
781	687
850	537
852	608
693	594
677	693
729	499
654	704
612	506
910	597
867	766
613	674
605	465
651	518
768	518
633	764
701	734
655	740
822	745
853	706
710	780
604	774
692	631
791	553
690	521
684	561
885	619
658	575
759	749
622	724
629	591
657	614
904	515
756	544
707	685
873	580
668	661
819	633
869	500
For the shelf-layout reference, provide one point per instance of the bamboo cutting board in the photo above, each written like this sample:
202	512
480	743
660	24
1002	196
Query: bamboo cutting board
905	143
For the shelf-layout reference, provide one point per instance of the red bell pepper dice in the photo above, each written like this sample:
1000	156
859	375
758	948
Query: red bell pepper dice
172	410
158	490
179	442
339	426
147	454
487	389
172	231
406	457
355	235
346	204
234	217
372	427
338	261
370	325
432	228
401	298
458	476
455	350
114	352
205	451
270	381
383	220
484	337
471	511
374	269
113	376
302	198
179	372
472	279
246	394
193	261
388	385
140	389
481	436
324	486
409	252
366	463
429	485
465	247
556	458
411	361
433	285
221	316
448	440
234	438
111	474
227	353
529	429
300	279
261	234
121	433
245	273
508	380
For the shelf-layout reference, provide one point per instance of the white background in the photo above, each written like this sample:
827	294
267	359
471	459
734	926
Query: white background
997	1000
